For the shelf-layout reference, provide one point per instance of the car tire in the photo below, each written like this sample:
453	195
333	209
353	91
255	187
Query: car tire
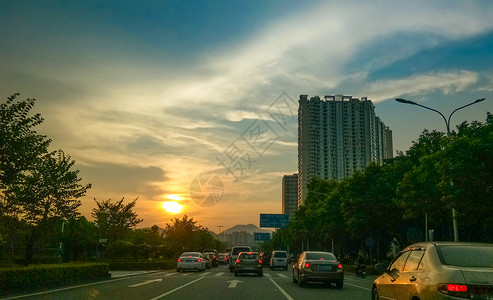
235	274
260	274
178	270
294	279
374	294
339	284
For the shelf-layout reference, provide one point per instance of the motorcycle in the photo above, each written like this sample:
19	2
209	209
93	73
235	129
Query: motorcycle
361	270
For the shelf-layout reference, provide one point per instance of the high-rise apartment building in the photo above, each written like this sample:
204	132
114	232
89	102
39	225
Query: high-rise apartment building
289	194
338	135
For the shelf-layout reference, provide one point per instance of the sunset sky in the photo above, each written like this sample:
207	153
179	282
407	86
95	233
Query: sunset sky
155	98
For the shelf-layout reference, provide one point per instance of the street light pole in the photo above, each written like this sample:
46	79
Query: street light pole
447	124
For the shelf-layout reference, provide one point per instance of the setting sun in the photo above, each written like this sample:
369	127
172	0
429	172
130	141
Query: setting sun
172	207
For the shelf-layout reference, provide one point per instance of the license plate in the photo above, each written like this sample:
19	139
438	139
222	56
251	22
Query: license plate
324	268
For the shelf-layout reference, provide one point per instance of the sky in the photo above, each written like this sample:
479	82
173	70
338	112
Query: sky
198	99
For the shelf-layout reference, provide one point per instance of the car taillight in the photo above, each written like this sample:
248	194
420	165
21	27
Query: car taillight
452	289
307	265
199	260
179	259
339	266
237	261
259	261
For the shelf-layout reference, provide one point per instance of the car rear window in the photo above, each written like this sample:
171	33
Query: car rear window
280	255
248	256
190	254
238	250
320	256
466	255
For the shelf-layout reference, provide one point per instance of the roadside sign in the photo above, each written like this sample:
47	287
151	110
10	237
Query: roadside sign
262	236
274	220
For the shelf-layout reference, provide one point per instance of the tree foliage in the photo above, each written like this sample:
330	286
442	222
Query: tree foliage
117	218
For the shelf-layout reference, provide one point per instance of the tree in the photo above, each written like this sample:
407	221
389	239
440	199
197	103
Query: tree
184	234
117	218
36	185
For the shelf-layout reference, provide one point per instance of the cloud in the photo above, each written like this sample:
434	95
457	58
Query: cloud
447	82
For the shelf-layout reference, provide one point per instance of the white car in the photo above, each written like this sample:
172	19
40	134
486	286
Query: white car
279	259
190	261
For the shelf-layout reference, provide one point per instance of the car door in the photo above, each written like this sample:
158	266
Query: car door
405	283
385	284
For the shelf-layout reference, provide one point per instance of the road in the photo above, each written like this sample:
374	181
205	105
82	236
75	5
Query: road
215	283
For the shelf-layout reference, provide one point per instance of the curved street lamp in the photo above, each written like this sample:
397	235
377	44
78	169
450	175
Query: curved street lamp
447	124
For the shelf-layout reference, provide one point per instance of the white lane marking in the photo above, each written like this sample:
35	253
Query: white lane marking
281	275
282	291
170	274
219	274
363	288
176	289
186	274
233	283
145	282
205	273
267	275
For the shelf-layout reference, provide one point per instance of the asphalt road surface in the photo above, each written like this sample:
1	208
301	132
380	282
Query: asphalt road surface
215	283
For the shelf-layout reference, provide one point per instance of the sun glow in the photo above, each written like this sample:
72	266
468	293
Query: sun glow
172	207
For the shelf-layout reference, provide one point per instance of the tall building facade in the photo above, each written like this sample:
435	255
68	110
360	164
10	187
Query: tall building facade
289	194
338	135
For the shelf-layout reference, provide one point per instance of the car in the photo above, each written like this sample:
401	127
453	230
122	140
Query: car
223	258
248	262
266	258
213	258
279	259
318	266
190	261
208	261
234	255
438	270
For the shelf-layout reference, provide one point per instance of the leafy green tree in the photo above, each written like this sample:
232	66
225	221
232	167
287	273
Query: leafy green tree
36	185
185	235
117	218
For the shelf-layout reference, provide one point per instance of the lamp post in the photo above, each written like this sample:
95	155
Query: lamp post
447	124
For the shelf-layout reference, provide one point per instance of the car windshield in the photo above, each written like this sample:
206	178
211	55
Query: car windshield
466	255
280	255
320	256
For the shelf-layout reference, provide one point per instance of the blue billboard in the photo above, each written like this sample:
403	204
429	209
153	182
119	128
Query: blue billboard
274	220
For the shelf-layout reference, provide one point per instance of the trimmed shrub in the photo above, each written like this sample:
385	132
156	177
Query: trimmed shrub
36	277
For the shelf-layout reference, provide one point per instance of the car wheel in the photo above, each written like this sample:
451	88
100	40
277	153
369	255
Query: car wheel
178	270
374	294
339	284
260	274
236	274
294	279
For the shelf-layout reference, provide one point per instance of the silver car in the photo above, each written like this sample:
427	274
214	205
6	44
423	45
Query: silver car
438	270
190	261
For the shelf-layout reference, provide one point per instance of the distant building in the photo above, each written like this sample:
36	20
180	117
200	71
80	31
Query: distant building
289	194
338	135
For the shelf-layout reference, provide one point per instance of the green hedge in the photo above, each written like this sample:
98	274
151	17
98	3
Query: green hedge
35	277
142	265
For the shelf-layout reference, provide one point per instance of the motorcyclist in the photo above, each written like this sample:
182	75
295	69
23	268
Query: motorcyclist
360	267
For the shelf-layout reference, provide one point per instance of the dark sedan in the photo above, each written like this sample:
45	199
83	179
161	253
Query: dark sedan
318	266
